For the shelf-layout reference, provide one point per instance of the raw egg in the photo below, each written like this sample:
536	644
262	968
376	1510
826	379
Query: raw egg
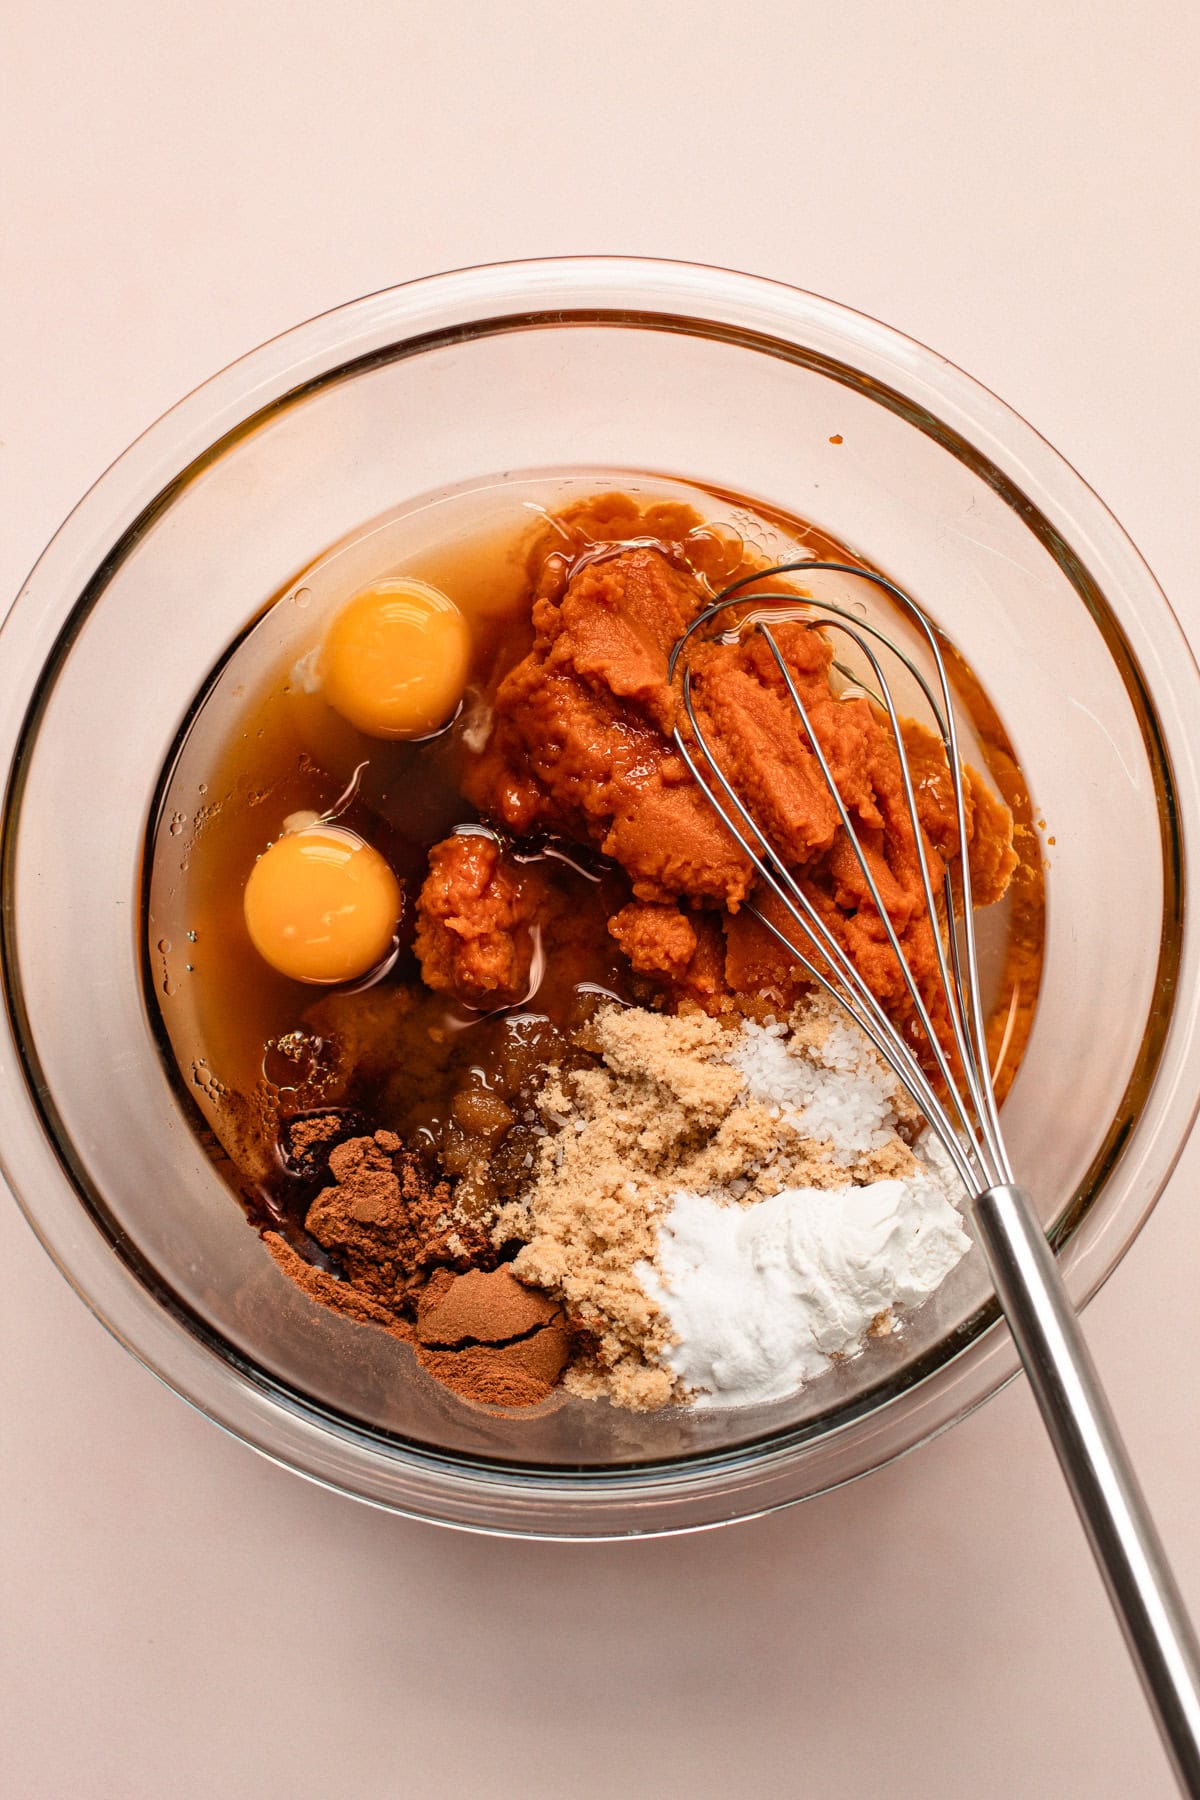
321	905
395	659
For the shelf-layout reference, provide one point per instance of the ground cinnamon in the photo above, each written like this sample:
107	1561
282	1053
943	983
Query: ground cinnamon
388	1222
329	1290
409	1261
490	1338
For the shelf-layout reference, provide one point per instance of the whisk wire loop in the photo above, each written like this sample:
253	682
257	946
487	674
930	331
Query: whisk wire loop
910	982
972	1139
853	994
967	1051
946	726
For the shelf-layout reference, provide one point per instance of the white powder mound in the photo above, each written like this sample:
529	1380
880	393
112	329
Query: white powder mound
761	1297
837	1092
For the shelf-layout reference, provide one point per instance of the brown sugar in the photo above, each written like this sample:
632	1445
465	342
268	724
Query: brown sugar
664	1113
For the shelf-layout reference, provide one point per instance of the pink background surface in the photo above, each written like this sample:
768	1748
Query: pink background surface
181	1619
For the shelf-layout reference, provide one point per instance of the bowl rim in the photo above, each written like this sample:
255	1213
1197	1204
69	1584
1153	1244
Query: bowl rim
403	319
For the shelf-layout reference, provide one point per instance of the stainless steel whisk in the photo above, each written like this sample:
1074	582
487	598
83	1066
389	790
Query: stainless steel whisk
966	1121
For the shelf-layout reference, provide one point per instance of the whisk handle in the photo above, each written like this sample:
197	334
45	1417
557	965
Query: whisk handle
1094	1461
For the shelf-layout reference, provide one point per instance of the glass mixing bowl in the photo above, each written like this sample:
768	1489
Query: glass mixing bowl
612	364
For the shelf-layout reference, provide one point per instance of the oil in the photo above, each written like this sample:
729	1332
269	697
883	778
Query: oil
251	1047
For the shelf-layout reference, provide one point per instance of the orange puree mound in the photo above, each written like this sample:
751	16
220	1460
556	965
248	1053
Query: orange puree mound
756	734
755	961
472	923
687	951
658	940
605	523
580	742
615	627
581	746
704	980
748	718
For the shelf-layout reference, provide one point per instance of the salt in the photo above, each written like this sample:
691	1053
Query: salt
837	1092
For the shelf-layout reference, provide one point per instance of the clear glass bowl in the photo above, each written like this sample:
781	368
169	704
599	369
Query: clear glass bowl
614	364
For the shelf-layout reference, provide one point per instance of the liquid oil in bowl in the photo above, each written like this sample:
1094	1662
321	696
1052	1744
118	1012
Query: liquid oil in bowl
262	748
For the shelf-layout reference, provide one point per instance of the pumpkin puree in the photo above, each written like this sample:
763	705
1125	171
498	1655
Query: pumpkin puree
580	746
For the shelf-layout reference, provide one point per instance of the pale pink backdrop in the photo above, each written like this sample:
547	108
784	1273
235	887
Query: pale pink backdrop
1013	184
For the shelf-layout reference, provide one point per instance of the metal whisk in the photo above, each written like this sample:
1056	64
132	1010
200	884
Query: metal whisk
961	1109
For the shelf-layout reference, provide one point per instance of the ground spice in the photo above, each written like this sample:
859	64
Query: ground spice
308	1136
490	1308
490	1338
521	1374
406	1252
329	1291
388	1221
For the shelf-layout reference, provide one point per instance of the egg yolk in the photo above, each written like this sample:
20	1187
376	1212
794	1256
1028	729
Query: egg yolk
321	905
394	661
